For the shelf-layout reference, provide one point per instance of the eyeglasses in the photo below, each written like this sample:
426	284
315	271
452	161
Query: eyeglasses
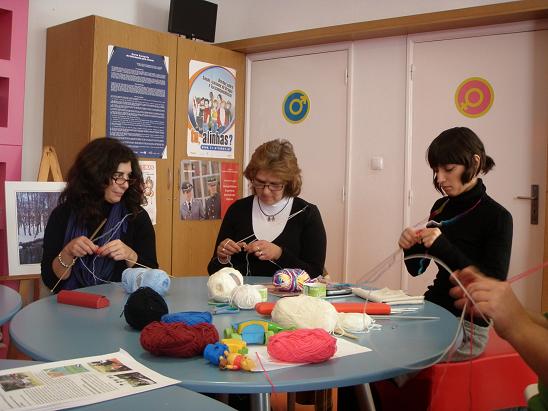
120	180
271	186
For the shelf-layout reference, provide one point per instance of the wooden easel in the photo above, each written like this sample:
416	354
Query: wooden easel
29	286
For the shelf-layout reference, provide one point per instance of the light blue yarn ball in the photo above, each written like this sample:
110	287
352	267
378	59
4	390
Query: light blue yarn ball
133	278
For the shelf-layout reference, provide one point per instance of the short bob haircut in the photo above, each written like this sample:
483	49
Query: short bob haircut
458	145
277	157
92	173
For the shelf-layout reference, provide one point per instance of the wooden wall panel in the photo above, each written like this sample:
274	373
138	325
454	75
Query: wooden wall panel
75	98
193	241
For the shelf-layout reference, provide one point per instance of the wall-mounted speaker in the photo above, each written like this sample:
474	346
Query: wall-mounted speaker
194	19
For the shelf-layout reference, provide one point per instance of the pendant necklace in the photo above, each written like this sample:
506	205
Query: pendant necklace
272	217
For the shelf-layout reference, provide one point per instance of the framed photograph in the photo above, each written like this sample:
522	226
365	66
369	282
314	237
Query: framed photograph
28	206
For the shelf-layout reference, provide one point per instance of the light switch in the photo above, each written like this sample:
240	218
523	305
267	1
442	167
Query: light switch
377	163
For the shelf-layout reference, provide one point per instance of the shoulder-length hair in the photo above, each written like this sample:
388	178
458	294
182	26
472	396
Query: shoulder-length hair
92	173
277	157
458	145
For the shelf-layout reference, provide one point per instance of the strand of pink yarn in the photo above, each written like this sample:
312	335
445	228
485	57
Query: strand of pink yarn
302	346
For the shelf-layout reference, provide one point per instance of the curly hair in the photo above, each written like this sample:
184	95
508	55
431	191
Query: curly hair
458	145
91	174
277	157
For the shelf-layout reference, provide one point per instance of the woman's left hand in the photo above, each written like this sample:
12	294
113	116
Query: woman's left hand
264	250
427	236
118	251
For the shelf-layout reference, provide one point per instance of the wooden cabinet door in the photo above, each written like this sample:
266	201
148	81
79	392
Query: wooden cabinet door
193	240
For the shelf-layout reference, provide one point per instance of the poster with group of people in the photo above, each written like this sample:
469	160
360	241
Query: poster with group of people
211	110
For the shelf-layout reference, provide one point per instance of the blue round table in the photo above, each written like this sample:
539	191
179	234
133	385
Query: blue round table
46	330
10	303
167	398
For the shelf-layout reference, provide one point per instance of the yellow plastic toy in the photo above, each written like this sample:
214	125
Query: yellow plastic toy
235	345
234	361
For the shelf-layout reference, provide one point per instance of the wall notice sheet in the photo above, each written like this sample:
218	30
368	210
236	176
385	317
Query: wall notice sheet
70	383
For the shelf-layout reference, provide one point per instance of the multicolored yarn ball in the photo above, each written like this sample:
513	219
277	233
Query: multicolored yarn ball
177	339
221	283
188	317
133	278
290	279
304	311
143	307
302	346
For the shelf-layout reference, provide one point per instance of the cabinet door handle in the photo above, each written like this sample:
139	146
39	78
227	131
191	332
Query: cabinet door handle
169	179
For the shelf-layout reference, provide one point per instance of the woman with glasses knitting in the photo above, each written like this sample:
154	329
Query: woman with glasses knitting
273	228
466	227
99	227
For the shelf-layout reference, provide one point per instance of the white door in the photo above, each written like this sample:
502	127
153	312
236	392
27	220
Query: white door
514	132
319	140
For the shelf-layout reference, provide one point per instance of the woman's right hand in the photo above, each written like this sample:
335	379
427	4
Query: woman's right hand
227	247
408	238
79	247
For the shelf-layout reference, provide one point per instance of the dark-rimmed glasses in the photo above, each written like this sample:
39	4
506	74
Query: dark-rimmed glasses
271	186
120	179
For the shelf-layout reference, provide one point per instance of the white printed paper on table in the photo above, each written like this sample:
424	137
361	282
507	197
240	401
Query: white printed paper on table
344	348
70	383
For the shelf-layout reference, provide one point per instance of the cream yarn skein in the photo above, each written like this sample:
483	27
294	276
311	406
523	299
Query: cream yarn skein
221	284
305	312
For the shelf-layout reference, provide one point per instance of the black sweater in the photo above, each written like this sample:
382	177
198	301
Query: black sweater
139	236
303	240
482	237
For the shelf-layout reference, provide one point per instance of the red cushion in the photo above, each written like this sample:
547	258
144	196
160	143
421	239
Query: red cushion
494	380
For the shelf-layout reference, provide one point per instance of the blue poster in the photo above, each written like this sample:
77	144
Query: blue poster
137	100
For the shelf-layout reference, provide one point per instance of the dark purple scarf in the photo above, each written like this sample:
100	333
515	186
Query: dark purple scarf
103	266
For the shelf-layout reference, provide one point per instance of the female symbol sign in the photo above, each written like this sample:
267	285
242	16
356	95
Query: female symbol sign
296	106
474	97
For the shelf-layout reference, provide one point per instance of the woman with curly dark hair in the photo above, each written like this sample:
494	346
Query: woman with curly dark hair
273	228
104	191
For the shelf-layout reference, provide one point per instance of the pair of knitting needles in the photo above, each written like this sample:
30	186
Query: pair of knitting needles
93	236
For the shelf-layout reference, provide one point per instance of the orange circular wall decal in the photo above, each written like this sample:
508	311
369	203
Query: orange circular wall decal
474	97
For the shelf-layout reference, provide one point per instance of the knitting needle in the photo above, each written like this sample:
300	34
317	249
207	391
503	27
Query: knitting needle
402	317
68	268
136	263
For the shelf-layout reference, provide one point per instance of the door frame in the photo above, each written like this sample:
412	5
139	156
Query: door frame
412	40
295	52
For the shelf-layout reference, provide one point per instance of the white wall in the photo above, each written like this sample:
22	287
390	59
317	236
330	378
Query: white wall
377	130
237	19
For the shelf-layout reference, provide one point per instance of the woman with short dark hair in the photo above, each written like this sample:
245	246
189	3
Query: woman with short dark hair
104	191
466	227
273	228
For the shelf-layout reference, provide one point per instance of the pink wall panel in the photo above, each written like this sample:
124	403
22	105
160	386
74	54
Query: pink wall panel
12	70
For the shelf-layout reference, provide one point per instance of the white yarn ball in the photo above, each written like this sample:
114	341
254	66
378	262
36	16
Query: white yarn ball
305	312
245	296
221	284
354	322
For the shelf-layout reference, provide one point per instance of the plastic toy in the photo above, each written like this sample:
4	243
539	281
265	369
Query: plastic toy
254	331
213	352
233	361
235	345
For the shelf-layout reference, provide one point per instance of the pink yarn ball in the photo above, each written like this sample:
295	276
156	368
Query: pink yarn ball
302	346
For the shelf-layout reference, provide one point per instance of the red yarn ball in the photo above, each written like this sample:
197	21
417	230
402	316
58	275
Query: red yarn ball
177	339
302	346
